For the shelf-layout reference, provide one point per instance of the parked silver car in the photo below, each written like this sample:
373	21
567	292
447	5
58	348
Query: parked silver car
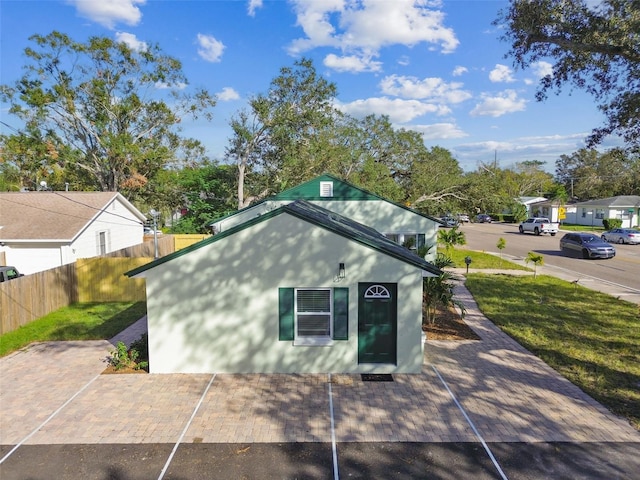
622	235
586	245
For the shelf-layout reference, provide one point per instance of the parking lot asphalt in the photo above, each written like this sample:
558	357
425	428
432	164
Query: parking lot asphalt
479	409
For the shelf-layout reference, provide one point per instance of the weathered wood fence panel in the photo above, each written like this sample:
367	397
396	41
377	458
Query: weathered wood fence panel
185	240
102	280
24	299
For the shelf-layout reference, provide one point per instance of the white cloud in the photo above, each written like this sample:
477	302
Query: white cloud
132	42
542	69
210	48
110	12
227	94
362	28
404	61
501	73
398	110
498	105
253	6
459	71
351	63
439	131
434	89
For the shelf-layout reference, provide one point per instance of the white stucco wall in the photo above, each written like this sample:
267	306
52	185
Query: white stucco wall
215	309
381	215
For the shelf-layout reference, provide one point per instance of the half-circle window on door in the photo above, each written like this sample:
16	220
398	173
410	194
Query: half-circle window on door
377	291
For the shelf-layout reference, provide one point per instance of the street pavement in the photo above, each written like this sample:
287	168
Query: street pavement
485	409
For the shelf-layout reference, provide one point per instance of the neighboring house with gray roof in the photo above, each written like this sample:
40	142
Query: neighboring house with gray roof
297	289
592	212
43	230
398	222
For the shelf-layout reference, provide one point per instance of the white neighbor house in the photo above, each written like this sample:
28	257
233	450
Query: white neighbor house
623	207
43	230
298	289
398	222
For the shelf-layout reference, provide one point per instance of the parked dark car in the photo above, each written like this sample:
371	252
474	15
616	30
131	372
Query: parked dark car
9	273
483	218
586	245
622	235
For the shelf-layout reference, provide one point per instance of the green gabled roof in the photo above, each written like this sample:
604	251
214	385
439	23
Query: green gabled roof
318	216
310	190
342	190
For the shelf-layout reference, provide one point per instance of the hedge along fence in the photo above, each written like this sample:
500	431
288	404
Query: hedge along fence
102	280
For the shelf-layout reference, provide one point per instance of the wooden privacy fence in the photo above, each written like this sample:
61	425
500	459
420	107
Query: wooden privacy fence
98	279
103	280
24	299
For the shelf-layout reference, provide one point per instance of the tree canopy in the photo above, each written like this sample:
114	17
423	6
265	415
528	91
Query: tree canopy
595	47
98	110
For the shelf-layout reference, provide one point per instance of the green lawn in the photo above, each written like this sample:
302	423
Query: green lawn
582	228
481	260
590	338
81	321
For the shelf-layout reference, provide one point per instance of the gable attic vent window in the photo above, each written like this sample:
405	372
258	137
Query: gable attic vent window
326	189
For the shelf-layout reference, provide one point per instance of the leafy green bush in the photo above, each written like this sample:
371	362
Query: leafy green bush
611	223
124	357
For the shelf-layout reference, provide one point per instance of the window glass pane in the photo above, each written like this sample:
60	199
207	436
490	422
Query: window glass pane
313	325
314	301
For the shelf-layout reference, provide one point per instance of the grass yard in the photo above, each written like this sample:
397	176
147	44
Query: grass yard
81	321
480	260
590	338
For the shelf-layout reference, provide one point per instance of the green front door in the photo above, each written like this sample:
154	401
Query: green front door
377	322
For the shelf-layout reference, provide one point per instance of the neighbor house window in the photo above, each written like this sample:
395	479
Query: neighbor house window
326	189
102	243
313	316
600	213
584	213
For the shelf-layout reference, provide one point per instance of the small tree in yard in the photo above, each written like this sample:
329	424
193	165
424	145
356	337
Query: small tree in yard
502	243
439	291
537	259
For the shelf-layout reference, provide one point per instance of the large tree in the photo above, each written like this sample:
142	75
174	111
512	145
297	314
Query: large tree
588	174
117	109
274	139
594	46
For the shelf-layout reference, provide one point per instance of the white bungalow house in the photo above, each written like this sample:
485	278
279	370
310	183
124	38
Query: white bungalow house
43	230
296	289
398	222
623	207
530	202
546	208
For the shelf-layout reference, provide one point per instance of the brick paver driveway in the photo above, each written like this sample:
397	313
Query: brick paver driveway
481	409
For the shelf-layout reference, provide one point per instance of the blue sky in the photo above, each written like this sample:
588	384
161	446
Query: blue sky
437	67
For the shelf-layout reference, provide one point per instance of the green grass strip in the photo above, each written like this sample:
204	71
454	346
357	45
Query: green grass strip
590	338
80	321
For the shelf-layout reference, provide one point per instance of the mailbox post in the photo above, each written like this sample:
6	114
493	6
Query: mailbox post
467	260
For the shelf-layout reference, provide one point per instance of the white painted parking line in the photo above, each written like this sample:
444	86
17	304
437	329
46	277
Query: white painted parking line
186	427
473	427
334	450
48	419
